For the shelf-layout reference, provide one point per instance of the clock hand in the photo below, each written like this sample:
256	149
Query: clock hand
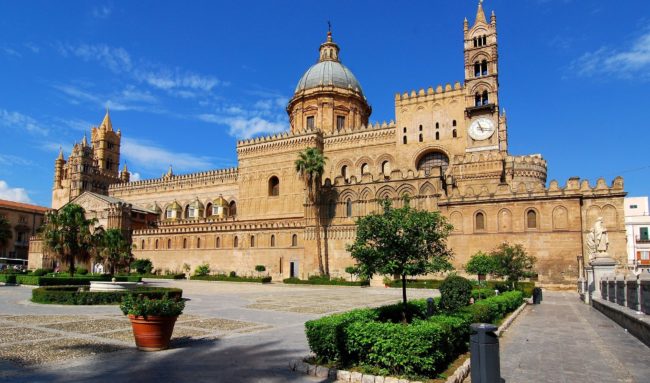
480	127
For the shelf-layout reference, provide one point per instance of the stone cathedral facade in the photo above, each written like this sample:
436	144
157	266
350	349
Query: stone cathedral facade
447	149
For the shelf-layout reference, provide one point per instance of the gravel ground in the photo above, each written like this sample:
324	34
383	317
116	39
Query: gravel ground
41	319
218	324
90	326
55	350
22	334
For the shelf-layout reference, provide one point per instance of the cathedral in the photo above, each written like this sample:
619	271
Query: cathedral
447	149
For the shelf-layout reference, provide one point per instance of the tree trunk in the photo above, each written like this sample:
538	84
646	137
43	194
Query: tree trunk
404	305
71	265
321	269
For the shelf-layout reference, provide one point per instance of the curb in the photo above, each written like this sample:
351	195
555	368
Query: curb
461	373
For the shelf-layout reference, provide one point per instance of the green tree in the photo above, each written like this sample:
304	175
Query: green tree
404	242
310	166
67	234
5	232
481	264
351	270
512	262
116	249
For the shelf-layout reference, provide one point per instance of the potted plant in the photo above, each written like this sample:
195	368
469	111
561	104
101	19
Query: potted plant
152	320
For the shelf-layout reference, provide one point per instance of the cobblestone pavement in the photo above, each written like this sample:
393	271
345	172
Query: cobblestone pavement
230	332
564	340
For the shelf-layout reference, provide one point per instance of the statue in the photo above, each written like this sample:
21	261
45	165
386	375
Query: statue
597	240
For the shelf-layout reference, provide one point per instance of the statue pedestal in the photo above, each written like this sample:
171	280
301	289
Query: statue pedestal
597	268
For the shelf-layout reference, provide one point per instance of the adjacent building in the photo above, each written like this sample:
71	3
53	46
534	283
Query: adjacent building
447	149
637	228
24	220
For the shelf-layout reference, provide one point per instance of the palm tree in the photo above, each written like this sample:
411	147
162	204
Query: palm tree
67	233
116	250
5	232
310	166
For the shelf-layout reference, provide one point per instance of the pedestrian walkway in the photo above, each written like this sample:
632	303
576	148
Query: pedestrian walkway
564	340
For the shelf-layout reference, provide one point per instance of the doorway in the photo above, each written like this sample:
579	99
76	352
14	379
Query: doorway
293	269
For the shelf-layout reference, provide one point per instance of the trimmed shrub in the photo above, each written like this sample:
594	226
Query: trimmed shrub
166	276
317	280
71	295
417	283
327	336
455	293
415	309
8	278
232	274
67	281
226	278
260	268
482	293
202	270
81	271
41	272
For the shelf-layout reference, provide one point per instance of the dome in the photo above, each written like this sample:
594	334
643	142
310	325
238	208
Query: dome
328	73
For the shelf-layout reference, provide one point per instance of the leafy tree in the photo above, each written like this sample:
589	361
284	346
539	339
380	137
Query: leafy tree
260	269
351	270
203	270
310	166
67	234
116	250
144	266
5	232
455	292
512	262
404	242
481	264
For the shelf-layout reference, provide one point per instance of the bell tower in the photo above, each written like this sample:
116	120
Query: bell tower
106	144
486	129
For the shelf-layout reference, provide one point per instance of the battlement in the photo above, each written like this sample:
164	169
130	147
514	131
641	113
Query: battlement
210	176
219	225
430	94
278	142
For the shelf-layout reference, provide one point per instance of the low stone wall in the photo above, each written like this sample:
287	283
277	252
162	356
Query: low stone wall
636	323
631	291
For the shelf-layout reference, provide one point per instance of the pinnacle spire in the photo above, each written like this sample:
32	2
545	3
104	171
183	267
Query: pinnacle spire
84	141
124	168
329	50
60	157
480	15
106	122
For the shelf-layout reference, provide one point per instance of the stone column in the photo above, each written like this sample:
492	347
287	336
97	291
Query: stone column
598	268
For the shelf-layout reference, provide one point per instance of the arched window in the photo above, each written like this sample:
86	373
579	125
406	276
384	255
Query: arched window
252	241
475	42
404	140
344	172
294	240
169	243
453	123
235	242
348	208
431	160
477	69
454	134
217	242
385	167
421	138
420	128
274	186
437	125
477	99
198	243
479	221
531	219
184	243
484	68
272	240
189	211
485	97
208	210
156	244
365	169
437	135
405	130
232	211
484	40
142	245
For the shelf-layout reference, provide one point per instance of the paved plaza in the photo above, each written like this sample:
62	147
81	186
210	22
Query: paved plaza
240	332
229	332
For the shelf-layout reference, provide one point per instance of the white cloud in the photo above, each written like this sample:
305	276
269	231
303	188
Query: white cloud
150	156
247	128
631	62
8	160
169	80
116	59
21	121
10	51
32	47
102	12
13	194
135	177
128	99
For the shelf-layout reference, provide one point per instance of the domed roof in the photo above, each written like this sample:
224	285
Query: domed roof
328	73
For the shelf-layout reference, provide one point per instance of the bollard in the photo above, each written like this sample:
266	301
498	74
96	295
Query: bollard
430	307
484	353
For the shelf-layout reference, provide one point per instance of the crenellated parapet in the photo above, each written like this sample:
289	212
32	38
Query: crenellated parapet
277	143
210	177
218	226
372	134
530	168
430	94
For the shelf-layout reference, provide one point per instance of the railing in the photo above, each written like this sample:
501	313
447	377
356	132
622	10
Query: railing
632	291
639	239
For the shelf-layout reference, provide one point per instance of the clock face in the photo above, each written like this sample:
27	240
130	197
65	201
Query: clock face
481	129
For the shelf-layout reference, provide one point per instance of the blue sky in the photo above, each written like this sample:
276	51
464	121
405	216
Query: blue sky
185	80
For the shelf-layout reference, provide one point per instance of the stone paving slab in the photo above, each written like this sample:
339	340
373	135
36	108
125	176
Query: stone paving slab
564	340
55	350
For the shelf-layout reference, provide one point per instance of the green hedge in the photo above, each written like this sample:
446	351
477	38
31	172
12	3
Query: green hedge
324	281
525	287
71	295
374	338
482	293
66	281
8	278
167	276
226	278
417	283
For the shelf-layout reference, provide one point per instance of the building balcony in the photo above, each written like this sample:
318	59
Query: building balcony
639	239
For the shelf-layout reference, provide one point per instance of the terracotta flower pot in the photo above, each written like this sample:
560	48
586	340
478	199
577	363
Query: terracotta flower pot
152	333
